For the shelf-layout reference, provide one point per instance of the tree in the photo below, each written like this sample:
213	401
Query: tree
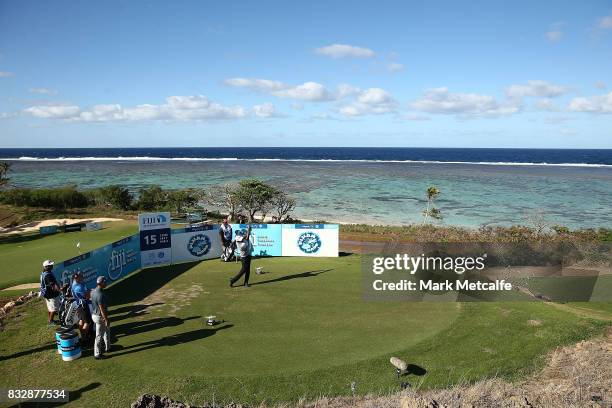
254	196
222	197
283	204
431	211
179	199
151	198
5	168
114	196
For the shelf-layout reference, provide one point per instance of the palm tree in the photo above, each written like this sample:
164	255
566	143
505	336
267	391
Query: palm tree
5	167
431	211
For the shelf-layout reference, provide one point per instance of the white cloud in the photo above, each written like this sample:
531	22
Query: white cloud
567	131
181	108
265	110
593	104
546	104
537	88
440	100
345	50
260	85
43	91
346	90
555	33
371	101
321	116
414	117
53	111
7	115
555	120
308	91
604	23
554	36
600	85
395	67
5	74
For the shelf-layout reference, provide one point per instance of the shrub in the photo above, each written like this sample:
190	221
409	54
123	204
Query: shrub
114	196
152	198
60	198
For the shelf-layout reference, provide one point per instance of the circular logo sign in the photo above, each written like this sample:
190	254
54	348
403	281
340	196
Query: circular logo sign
309	242
199	245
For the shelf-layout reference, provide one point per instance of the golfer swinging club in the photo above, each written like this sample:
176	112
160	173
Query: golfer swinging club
246	249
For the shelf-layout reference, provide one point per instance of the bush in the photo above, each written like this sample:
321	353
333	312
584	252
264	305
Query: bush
178	200
152	198
60	198
113	196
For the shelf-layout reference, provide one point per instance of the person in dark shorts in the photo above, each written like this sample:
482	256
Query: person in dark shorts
225	235
246	250
50	290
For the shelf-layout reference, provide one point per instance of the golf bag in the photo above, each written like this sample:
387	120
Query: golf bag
228	252
72	310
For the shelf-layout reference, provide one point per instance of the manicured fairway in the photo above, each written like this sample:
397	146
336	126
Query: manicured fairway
301	330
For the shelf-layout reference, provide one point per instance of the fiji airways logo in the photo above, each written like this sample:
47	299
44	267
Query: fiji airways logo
157	219
199	245
309	242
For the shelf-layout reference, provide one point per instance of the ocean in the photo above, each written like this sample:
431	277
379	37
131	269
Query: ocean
370	185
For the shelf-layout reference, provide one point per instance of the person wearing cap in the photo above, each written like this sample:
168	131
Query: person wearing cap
50	290
99	314
246	250
81	294
225	235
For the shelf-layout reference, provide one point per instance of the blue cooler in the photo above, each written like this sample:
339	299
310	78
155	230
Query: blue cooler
70	345
60	330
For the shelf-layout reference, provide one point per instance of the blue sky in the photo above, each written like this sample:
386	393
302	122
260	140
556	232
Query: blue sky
330	73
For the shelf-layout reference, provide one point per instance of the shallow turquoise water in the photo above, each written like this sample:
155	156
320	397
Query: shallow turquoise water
377	193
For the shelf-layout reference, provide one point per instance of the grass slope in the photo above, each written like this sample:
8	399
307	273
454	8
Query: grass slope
302	330
23	255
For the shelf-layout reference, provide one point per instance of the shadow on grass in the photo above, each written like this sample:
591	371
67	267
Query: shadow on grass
73	395
31	351
168	341
416	370
139	285
17	238
137	327
127	312
308	274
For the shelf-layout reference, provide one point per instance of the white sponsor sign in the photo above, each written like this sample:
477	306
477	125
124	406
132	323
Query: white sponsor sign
196	244
152	221
155	239
93	226
156	257
310	240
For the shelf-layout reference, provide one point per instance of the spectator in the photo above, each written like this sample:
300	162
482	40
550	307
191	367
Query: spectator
82	294
99	313
50	290
225	235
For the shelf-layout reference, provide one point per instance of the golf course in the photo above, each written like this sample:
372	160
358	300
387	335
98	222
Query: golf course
301	331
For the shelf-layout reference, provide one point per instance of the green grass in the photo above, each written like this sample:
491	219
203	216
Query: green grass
23	255
302	330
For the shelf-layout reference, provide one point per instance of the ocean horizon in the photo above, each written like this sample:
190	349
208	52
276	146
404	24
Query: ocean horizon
569	187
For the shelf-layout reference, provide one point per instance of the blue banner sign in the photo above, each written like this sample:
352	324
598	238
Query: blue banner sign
50	229
113	261
266	238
